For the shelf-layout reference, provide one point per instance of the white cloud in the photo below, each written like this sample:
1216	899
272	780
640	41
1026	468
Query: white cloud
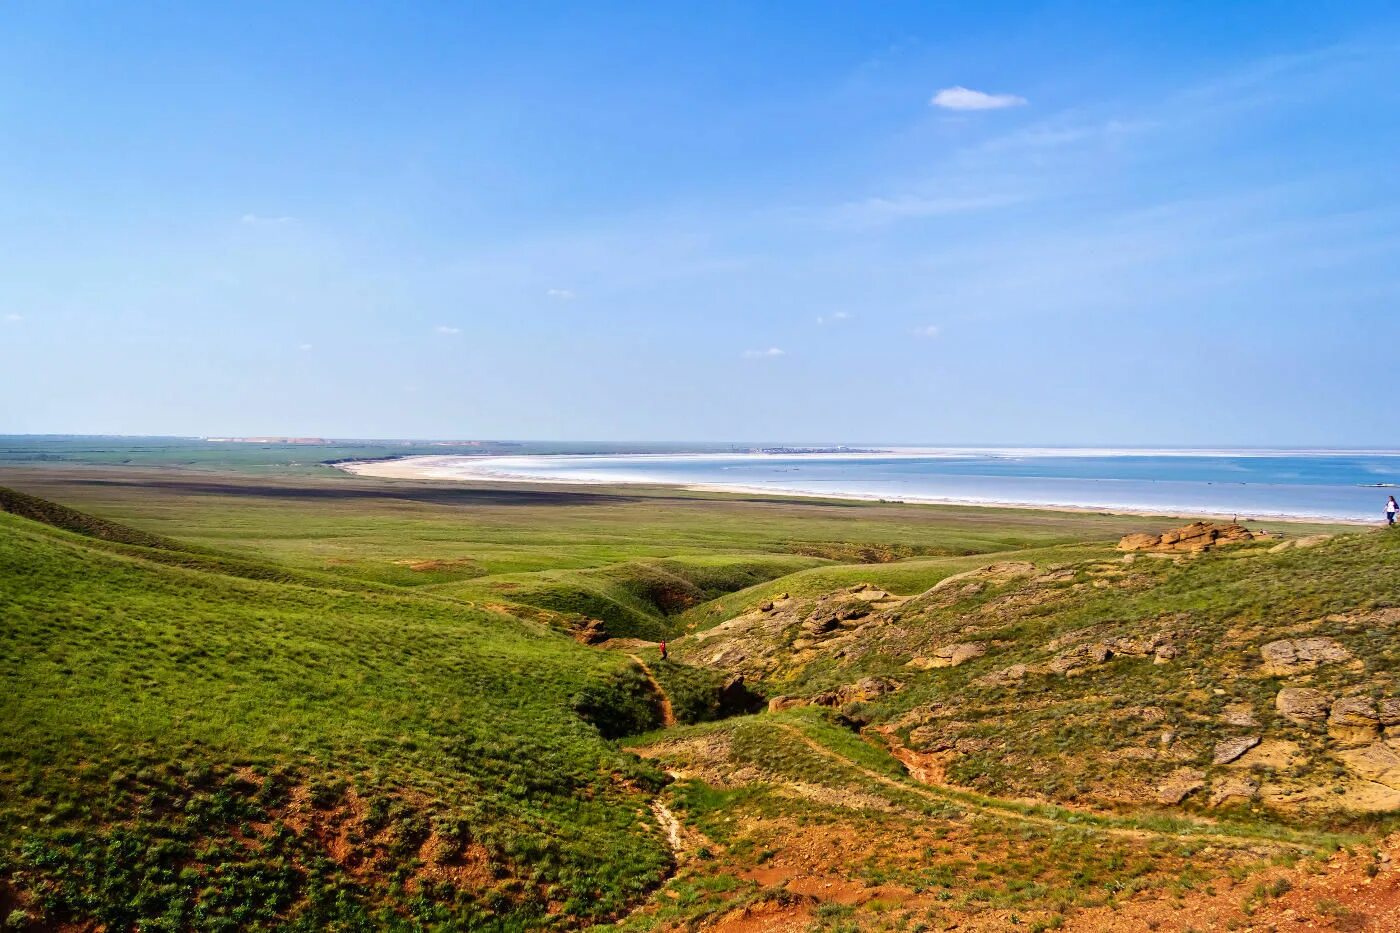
962	98
928	330
260	220
833	317
304	346
447	329
876	211
770	353
561	294
14	318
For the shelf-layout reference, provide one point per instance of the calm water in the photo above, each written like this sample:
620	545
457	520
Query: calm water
1337	484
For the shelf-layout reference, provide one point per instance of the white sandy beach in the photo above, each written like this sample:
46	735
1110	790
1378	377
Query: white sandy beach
509	469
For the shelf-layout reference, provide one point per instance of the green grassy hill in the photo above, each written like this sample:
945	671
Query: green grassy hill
239	701
181	747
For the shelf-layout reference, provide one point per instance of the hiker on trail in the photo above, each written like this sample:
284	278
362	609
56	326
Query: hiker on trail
1390	509
663	644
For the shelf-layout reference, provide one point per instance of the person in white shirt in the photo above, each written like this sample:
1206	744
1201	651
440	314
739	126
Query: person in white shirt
1390	509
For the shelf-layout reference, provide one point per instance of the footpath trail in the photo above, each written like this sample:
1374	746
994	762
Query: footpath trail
668	716
1089	822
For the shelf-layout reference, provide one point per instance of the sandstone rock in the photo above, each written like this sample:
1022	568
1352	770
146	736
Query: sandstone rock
1354	721
778	704
1197	536
1166	654
1075	661
1007	675
949	656
1138	542
1003	570
870	687
1180	784
1379	762
766	607
1228	750
829	616
1238	789
1303	705
1388	710
1296	656
1239	714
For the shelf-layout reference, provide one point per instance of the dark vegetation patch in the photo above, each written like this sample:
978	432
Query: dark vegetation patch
621	703
348	490
60	516
701	694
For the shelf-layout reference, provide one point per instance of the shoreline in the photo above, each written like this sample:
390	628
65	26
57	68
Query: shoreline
413	467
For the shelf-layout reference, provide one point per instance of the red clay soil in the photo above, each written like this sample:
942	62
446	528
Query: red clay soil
1339	894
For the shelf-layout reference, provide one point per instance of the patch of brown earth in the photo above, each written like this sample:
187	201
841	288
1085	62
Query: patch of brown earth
430	564
1348	892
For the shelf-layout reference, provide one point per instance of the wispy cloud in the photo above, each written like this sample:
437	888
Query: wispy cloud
14	318
963	98
833	317
768	354
927	331
883	210
561	294
304	346
447	329
262	220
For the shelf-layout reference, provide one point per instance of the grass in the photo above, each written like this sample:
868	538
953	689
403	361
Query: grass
136	691
243	691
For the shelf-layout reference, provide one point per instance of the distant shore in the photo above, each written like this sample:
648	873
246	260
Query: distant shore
459	468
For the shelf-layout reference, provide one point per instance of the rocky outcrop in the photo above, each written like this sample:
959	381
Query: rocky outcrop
1239	714
780	703
948	656
1074	661
1180	784
995	573
1287	657
1378	762
862	690
1195	537
1388	711
1354	721
1004	677
827	618
1228	750
1303	706
1233	790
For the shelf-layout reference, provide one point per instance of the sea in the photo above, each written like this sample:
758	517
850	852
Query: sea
1345	485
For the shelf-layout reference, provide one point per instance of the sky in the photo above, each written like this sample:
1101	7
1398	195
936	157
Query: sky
1018	223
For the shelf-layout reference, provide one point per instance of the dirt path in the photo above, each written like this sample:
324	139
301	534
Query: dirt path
671	825
668	716
1007	811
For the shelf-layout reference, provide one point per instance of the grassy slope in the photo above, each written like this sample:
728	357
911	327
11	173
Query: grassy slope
447	774
631	557
1048	807
1083	737
135	688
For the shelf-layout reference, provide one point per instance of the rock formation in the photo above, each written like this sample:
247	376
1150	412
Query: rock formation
1195	537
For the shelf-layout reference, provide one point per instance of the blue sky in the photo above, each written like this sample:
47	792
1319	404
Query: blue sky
997	223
